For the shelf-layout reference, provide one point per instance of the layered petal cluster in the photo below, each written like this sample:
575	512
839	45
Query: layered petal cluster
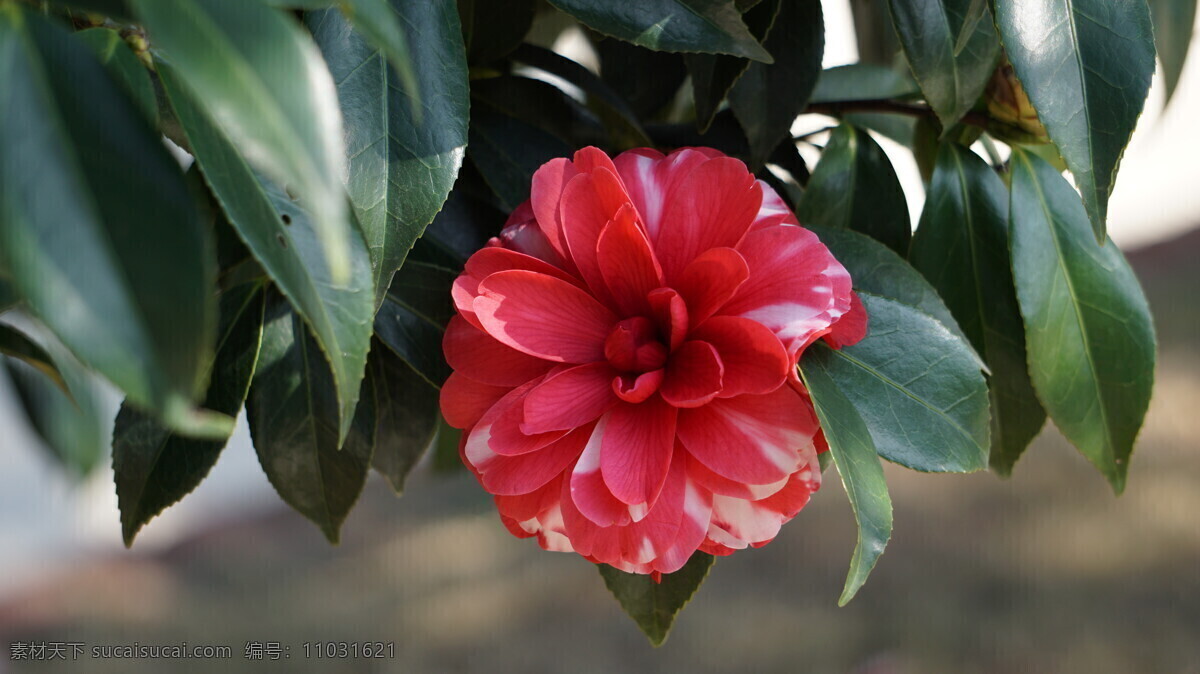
625	355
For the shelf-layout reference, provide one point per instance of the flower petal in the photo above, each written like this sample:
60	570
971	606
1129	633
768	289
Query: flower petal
473	353
636	388
589	493
543	316
671	314
755	360
464	401
627	263
723	486
712	208
571	398
694	375
589	202
546	193
737	523
499	429
488	261
774	211
651	180
636	453
851	328
710	280
755	439
524	473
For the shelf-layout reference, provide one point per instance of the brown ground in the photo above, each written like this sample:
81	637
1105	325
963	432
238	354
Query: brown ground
1046	572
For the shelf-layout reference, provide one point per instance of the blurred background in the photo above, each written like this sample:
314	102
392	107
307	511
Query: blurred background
1046	572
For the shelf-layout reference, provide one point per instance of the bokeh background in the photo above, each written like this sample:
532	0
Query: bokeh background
1044	572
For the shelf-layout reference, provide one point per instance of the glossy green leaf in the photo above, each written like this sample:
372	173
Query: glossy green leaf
462	227
72	424
952	70
541	105
155	468
713	75
698	26
1086	66
857	463
877	269
1174	21
854	186
8	296
767	98
124	67
400	167
259	77
16	344
285	240
492	30
919	389
648	80
653	606
412	320
115	9
406	416
961	246
293	417
379	22
507	151
1087	324
862	82
74	232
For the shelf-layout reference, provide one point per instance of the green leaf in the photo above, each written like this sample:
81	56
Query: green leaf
1086	66
86	189
412	320
15	344
767	98
425	289
293	419
124	67
714	75
260	78
653	606
918	388
406	416
507	151
462	227
877	269
155	468
492	30
862	82
648	80
1087	324
71	424
379	22
961	246
8	296
857	463
703	26
1174	21
541	105
115	9
401	167
952	75
285	240
854	186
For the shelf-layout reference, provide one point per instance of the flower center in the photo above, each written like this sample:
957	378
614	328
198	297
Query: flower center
634	346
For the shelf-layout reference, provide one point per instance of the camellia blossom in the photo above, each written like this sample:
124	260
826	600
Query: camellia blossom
625	356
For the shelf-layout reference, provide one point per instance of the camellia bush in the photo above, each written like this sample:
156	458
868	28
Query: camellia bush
644	313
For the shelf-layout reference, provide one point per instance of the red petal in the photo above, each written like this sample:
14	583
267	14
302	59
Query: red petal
709	281
543	316
589	202
712	208
651	181
737	523
637	388
637	450
751	439
499	430
488	261
521	507
464	401
627	263
851	328
694	375
591	495
522	474
723	486
774	210
473	353
570	398
671	314
755	360
546	192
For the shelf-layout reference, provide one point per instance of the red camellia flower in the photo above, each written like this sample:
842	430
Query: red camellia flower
625	358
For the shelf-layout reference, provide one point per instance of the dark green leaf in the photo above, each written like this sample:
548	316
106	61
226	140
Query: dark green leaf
416	338
862	82
492	30
507	151
155	468
72	425
379	22
961	246
1087	324
918	388
260	78
854	186
293	417
15	344
857	463
952	78
647	79
400	168
462	227
124	67
714	75
115	9
284	239
406	416
8	296
445	448
1174	21
86	189
703	26
767	98
541	105
425	289
1086	66
653	606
